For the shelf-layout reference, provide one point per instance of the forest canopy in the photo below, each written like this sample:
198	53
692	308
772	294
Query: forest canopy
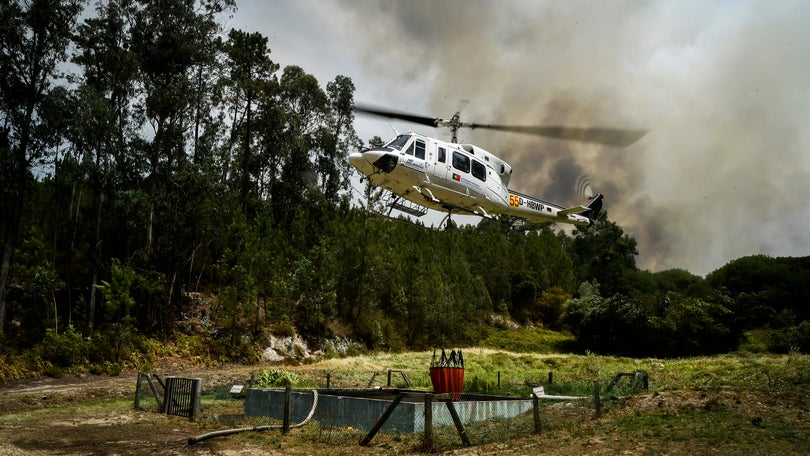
175	162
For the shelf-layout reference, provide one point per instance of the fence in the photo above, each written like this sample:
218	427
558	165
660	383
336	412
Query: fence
394	414
422	421
173	395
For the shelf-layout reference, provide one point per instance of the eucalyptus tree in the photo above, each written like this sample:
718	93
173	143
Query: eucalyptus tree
337	138
34	36
104	125
303	107
250	79
171	39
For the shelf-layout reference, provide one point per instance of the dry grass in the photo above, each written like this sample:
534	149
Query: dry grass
732	404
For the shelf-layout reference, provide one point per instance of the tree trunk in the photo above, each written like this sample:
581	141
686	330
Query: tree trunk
92	315
5	265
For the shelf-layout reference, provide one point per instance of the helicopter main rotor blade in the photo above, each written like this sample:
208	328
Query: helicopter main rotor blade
374	111
617	137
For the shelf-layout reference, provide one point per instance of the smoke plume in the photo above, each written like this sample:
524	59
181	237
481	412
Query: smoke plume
723	87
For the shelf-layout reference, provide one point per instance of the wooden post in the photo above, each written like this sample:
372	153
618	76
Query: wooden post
379	424
428	443
168	390
596	399
499	379
328	380
161	405
285	424
138	392
550	378
373	376
196	394
538	427
388	384
459	426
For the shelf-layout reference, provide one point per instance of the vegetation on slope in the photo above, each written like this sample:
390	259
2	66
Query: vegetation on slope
185	194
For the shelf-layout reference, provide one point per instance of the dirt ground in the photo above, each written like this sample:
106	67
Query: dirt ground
90	415
93	415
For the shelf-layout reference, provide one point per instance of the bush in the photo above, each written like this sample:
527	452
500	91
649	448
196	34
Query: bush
526	340
12	367
66	349
666	325
792	338
121	345
277	378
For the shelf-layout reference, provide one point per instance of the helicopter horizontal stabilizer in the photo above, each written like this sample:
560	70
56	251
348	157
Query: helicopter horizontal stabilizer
591	210
573	210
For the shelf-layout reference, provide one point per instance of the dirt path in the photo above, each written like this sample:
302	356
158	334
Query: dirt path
92	414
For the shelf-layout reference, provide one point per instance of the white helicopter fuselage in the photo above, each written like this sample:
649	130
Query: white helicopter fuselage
456	178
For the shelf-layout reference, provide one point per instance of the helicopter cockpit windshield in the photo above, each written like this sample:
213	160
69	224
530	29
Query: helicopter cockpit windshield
398	142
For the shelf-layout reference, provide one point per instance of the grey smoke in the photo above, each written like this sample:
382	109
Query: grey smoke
722	87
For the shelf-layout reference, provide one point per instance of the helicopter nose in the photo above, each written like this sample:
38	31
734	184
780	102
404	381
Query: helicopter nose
357	160
368	161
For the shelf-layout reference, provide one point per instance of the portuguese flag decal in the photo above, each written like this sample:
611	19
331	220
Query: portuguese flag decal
456	177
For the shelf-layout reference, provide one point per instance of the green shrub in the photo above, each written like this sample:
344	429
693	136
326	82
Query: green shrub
65	349
667	325
528	341
277	378
793	338
12	367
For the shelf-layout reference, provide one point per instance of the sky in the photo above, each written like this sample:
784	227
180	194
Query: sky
722	86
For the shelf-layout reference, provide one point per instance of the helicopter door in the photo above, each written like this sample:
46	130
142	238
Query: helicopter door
442	169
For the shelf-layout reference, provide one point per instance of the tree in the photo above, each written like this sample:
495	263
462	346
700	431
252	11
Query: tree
605	254
250	79
104	123
171	38
34	36
336	138
304	104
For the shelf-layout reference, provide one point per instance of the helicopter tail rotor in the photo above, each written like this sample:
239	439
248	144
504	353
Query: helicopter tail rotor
584	188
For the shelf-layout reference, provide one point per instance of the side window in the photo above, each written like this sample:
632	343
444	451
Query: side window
442	154
461	162
410	150
479	170
420	149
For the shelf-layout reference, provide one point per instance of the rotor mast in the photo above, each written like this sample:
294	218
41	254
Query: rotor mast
453	124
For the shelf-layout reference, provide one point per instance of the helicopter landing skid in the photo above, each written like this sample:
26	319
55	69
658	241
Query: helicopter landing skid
407	207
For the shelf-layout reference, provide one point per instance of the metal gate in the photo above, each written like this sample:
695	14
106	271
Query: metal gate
182	396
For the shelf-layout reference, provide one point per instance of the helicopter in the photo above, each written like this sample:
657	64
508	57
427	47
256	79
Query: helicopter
422	172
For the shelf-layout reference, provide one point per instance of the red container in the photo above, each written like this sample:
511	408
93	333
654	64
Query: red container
447	380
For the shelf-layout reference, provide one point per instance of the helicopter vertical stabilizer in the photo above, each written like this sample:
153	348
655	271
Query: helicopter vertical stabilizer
595	207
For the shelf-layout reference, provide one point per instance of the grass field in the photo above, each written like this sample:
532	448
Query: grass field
741	403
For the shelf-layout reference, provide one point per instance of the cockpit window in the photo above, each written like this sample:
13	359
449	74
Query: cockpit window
400	141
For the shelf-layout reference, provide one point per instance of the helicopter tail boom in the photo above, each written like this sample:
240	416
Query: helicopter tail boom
534	209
